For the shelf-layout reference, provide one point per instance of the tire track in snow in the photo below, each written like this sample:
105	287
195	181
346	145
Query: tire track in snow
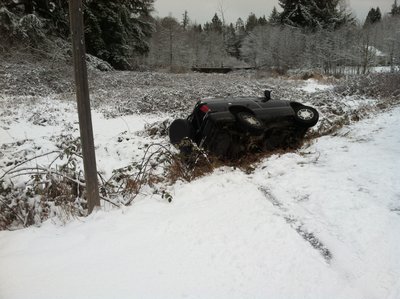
297	225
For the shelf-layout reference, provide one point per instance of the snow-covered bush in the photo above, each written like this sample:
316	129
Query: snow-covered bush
31	193
97	63
28	29
31	24
379	85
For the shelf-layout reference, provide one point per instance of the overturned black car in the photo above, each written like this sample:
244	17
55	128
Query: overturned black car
229	127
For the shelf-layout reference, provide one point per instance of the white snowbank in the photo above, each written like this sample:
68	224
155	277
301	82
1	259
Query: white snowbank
232	235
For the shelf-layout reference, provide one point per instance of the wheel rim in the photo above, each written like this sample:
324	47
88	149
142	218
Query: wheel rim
305	114
251	120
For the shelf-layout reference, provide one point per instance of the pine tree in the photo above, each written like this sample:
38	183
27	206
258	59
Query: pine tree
374	16
185	20
118	29
395	9
378	15
313	15
239	27
251	22
216	24
262	21
274	17
114	29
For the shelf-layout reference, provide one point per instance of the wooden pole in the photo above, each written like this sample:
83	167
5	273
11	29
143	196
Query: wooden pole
82	96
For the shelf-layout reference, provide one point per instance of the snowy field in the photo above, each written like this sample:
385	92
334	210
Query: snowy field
320	222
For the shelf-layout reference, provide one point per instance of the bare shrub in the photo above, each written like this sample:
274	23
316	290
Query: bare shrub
380	85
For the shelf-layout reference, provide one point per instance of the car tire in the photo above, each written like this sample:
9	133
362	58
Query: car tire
306	116
179	130
250	123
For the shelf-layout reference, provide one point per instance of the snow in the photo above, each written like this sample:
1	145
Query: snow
384	69
36	130
323	222
312	85
377	52
116	139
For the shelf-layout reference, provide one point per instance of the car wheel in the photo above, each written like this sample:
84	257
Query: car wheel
249	123
179	130
306	116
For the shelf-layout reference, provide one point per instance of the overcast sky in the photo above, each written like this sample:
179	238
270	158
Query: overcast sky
202	11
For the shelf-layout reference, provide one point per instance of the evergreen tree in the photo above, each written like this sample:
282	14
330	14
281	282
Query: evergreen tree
378	15
374	16
251	22
216	24
239	27
118	29
395	9
185	20
114	29
197	28
313	15
262	21
274	17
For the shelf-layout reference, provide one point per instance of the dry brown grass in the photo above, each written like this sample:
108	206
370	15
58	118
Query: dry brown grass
189	168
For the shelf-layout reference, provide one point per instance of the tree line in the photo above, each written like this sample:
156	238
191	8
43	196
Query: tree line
301	34
304	35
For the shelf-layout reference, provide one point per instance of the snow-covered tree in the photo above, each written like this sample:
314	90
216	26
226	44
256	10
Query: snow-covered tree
254	47
389	41
119	29
313	15
169	45
273	47
115	30
232	42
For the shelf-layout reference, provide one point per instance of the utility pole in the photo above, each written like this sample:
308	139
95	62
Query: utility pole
82	96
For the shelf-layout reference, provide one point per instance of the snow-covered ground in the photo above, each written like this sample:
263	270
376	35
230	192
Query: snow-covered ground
312	85
323	222
384	69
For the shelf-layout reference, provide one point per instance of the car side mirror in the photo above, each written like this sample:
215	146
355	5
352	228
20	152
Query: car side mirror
267	95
